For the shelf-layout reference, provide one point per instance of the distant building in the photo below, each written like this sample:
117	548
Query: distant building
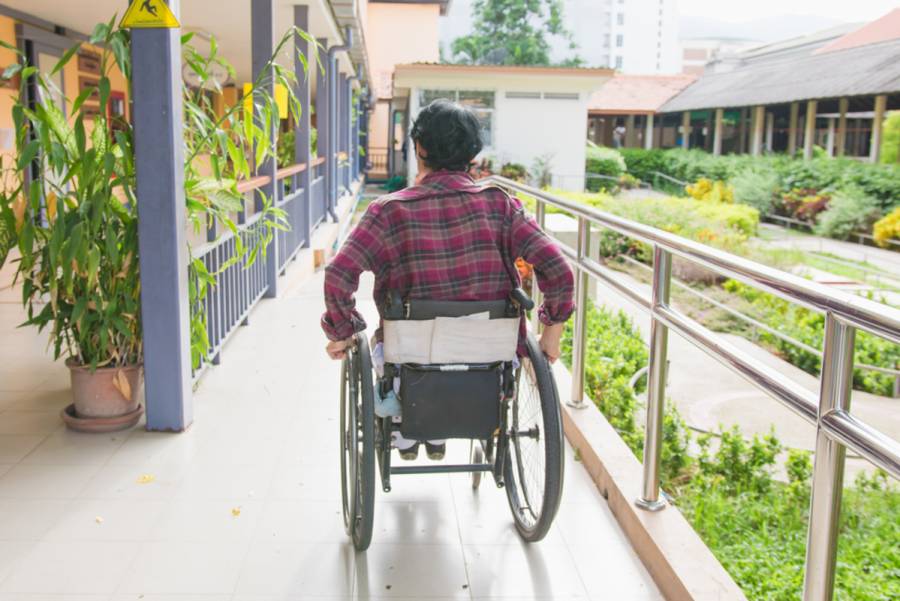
696	53
527	113
830	89
637	36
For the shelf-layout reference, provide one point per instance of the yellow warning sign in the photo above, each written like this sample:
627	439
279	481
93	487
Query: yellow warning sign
149	14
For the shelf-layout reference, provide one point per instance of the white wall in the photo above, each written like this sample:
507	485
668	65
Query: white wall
525	129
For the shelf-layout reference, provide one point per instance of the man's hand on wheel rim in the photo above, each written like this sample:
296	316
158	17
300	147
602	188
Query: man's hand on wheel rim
337	349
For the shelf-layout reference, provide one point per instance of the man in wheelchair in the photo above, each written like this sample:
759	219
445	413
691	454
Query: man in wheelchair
446	238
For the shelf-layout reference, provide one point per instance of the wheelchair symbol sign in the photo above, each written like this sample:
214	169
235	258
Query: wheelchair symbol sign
149	14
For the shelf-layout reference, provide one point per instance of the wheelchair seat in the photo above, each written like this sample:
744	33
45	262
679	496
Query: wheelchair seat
455	364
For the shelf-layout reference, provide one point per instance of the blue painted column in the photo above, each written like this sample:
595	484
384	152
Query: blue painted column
343	127
326	136
262	24
159	165
302	131
322	113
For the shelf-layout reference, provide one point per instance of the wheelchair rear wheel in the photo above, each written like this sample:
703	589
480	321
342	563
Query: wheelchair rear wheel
533	470
358	443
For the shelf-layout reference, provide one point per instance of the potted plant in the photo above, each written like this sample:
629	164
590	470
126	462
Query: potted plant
68	205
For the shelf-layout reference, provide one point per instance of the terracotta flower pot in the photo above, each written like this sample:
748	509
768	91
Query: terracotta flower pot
105	399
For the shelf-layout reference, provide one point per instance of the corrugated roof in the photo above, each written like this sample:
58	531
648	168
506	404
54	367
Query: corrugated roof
880	30
862	70
637	94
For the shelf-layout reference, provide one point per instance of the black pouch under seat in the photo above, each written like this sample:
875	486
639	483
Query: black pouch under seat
450	401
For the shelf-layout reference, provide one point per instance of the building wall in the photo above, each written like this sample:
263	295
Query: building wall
525	129
648	27
397	34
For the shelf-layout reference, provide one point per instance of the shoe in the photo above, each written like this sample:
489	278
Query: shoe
435	451
409	453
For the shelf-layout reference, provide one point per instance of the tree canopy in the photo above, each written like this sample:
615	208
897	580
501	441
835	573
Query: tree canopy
513	32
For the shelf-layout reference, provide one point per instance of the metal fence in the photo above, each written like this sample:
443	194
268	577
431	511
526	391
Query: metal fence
317	196
239	287
829	411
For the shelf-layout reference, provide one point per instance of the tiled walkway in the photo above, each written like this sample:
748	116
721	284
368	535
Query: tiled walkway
246	504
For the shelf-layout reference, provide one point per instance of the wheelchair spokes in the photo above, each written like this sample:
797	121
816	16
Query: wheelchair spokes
533	470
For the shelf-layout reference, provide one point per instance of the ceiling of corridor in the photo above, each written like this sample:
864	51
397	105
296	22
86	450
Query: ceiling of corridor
227	20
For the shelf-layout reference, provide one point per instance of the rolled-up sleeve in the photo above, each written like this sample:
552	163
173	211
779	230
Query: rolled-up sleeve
361	252
554	275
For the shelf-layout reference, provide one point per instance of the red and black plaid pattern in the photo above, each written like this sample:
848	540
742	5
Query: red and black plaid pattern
445	239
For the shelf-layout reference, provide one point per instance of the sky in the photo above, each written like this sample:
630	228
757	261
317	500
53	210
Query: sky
742	10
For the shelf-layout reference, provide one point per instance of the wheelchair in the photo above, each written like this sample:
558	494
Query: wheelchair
508	410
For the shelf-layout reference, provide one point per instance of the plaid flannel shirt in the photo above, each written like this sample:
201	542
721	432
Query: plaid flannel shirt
445	239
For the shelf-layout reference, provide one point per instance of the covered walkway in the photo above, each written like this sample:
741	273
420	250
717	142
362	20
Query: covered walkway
246	503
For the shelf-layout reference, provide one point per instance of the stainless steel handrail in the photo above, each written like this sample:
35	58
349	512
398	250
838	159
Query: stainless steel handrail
829	411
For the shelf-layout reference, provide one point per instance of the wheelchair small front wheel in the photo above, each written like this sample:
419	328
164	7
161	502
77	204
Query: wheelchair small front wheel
358	443
533	469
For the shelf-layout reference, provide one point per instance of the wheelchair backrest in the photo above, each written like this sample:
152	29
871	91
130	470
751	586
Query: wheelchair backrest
428	332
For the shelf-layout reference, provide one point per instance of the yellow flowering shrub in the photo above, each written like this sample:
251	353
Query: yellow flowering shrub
887	228
708	190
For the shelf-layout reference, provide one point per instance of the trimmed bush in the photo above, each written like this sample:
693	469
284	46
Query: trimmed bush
756	187
849	211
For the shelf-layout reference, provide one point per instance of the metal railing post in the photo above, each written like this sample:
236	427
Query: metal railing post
540	211
656	382
580	329
828	473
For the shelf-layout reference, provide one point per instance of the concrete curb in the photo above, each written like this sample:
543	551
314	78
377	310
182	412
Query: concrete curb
679	562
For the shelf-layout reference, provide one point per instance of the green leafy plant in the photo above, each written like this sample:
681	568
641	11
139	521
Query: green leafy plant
756	187
850	210
72	206
514	171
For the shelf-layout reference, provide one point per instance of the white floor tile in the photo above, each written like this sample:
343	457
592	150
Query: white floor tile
45	481
538	570
15	447
423	523
66	447
29	519
184	568
133	482
389	570
107	520
224	482
70	567
607	571
30	422
207	521
301	521
320	482
297	569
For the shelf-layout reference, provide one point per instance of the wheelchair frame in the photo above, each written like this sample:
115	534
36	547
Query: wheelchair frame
499	454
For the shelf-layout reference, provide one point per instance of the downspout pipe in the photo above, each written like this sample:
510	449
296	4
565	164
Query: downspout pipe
353	132
331	165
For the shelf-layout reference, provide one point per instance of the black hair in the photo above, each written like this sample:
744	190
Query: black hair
450	135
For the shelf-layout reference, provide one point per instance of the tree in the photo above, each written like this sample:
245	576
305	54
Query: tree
513	32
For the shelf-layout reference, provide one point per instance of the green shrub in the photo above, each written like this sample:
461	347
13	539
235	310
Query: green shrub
644	163
849	211
890	141
755	525
514	171
756	187
808	326
721	225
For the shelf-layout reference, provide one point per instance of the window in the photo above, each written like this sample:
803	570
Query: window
606	39
620	40
620	18
481	103
618	62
